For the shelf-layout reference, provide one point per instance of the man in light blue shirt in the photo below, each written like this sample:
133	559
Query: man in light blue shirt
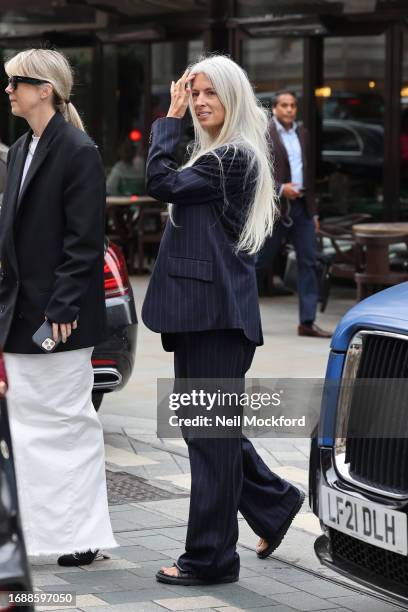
298	219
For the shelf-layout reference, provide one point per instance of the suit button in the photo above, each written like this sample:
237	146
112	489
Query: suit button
2	308
20	315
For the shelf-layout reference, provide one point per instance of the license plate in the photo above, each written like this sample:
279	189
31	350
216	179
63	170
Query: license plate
364	520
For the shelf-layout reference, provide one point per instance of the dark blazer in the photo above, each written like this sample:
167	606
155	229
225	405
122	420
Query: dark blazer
52	239
198	282
282	167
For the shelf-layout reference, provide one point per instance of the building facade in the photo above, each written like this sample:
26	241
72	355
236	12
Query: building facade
346	60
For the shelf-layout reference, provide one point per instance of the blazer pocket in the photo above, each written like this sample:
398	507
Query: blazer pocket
184	267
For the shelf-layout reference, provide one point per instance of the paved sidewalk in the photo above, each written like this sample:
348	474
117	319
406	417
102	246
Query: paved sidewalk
148	481
151	533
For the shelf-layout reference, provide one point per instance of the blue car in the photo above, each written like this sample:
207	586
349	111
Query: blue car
358	482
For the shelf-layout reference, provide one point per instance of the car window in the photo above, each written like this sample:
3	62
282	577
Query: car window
340	139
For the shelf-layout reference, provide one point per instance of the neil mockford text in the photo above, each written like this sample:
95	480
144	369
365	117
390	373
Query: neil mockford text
213	401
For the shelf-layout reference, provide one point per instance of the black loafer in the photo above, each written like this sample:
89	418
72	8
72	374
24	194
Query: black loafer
275	542
76	559
189	579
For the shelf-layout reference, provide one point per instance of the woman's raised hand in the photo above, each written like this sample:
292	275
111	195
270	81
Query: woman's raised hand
180	95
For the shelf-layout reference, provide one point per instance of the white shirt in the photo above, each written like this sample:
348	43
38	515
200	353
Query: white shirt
291	143
30	154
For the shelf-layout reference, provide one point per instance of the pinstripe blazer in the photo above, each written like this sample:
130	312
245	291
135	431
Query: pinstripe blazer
198	282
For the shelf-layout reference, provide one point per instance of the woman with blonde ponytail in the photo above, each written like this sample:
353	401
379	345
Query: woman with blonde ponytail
52	254
203	299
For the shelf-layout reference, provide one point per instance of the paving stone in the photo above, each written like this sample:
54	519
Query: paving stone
41	579
140	553
53	568
286	575
103	575
111	564
59	609
304	601
158	542
142	517
88	600
364	603
120	524
230	609
246	572
120	508
190	603
265	585
191	591
278	608
140	447
158	592
236	595
122	539
159	455
323	588
200	609
142	606
148	569
140	533
169	509
84	588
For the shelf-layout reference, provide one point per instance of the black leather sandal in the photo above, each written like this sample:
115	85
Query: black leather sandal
189	579
276	541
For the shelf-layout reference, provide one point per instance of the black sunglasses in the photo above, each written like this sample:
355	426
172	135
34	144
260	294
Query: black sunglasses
15	80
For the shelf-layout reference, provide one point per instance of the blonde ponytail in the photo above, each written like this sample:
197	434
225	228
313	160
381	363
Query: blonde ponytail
53	67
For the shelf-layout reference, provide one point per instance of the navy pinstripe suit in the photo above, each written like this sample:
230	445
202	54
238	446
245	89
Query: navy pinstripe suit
203	299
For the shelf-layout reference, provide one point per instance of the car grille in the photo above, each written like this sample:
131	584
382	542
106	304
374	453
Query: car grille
381	463
384	563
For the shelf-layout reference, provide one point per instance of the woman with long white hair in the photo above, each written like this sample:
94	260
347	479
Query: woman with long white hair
52	253
203	299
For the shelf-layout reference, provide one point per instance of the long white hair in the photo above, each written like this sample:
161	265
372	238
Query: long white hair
245	129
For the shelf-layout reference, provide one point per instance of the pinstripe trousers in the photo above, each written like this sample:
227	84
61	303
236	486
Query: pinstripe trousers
227	474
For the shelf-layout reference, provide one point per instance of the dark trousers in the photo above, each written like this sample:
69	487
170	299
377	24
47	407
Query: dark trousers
227	474
303	237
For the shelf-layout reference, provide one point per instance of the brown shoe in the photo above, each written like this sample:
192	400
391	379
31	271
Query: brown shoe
314	331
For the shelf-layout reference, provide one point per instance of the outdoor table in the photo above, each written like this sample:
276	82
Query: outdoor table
376	239
381	228
122	211
377	250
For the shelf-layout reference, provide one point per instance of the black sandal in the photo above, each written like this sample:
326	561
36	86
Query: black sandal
80	558
189	579
276	541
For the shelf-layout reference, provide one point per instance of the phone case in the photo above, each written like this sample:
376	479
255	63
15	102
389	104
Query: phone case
43	338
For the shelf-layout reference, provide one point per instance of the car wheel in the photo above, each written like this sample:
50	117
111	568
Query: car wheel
97	397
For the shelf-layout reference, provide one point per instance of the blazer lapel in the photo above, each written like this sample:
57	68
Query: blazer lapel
280	148
40	153
14	176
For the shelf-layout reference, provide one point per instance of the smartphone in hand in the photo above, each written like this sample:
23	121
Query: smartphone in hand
43	338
